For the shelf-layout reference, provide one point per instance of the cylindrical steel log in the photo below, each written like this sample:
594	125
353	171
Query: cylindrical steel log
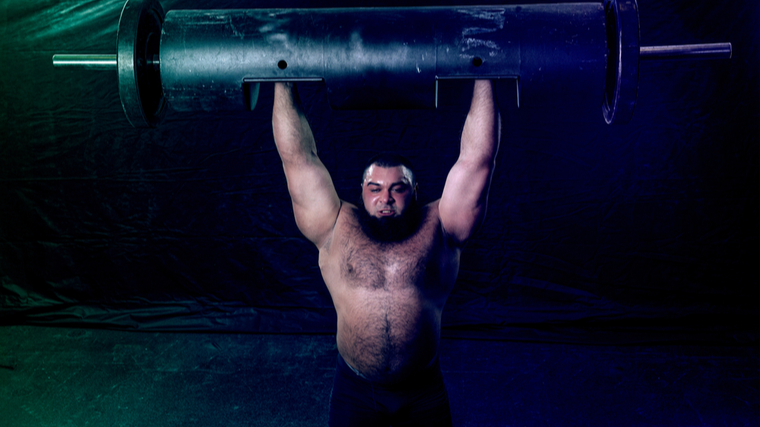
383	57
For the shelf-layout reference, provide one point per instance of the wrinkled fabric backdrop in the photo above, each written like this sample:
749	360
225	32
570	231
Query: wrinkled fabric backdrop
597	234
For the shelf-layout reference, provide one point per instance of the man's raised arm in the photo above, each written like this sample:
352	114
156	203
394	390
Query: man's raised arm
315	203
463	203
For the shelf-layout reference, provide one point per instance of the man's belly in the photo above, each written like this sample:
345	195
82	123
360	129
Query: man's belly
388	335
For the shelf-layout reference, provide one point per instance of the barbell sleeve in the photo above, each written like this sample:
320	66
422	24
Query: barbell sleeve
93	61
687	51
87	61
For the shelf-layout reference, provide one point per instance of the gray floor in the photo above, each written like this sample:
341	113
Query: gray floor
81	377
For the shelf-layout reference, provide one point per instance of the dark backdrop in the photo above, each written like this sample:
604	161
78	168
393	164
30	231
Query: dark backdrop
643	232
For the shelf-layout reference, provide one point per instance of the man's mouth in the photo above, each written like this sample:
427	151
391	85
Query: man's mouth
386	212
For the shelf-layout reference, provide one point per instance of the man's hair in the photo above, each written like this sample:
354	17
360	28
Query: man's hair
389	160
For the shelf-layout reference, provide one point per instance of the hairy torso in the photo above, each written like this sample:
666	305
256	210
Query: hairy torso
389	296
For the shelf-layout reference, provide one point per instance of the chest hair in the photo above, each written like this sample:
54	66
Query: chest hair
378	265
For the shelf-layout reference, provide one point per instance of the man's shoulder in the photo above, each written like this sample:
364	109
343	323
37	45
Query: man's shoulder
347	209
432	207
348	217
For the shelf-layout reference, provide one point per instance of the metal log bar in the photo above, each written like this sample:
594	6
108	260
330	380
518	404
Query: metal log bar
684	51
380	57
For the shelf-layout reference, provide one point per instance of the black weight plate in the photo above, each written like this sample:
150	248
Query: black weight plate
139	80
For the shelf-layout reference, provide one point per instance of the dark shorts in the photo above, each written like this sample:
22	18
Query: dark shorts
420	401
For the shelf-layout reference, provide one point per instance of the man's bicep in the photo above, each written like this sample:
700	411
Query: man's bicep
463	203
315	202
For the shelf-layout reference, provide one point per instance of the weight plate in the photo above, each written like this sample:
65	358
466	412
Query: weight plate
138	43
622	83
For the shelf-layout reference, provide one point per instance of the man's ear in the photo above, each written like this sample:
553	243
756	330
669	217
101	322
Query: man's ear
416	190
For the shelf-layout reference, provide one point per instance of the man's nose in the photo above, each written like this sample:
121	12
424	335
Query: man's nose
387	197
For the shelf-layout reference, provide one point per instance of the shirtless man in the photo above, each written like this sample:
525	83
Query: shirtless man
390	264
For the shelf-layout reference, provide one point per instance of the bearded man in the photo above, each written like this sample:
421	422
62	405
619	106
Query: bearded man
389	264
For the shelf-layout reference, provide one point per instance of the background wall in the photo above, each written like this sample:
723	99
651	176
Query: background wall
643	232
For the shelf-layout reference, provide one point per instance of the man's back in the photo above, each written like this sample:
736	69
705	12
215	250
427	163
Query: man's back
389	295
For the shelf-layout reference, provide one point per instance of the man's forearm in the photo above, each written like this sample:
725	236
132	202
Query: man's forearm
482	129
292	134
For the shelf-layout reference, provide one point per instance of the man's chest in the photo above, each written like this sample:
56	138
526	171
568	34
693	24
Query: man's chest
364	264
421	261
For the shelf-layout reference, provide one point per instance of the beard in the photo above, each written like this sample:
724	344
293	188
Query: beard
391	229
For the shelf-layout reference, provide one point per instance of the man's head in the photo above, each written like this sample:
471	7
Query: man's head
389	198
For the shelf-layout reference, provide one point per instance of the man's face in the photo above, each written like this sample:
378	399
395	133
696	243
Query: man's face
387	192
